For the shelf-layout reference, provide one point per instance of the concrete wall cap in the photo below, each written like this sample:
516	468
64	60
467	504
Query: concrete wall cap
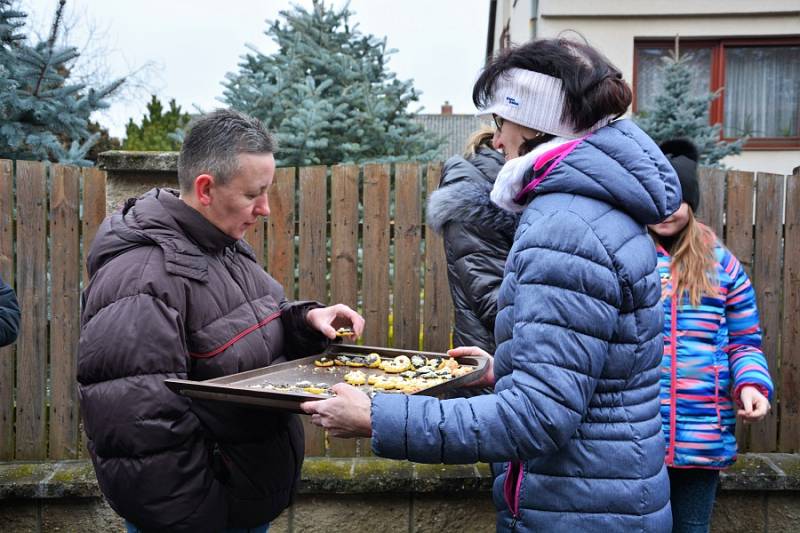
124	161
372	475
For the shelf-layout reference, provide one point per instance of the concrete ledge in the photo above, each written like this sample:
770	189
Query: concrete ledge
373	475
57	479
119	161
763	471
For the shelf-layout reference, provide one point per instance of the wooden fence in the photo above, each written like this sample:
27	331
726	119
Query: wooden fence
346	234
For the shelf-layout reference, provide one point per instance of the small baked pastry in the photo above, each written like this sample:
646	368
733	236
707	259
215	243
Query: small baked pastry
373	360
356	377
345	332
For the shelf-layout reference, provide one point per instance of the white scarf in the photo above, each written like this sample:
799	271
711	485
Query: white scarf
509	181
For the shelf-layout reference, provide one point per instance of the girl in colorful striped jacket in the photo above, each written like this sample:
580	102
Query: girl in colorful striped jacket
713	368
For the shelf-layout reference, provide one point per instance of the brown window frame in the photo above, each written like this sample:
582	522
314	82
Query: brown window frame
717	46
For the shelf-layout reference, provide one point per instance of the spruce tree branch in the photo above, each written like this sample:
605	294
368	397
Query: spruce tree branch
51	42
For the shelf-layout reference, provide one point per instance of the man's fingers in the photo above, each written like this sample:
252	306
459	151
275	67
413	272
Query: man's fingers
358	324
328	331
354	318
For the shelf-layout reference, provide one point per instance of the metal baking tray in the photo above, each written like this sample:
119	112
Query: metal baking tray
243	388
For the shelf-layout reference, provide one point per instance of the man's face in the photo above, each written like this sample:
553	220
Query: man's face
236	206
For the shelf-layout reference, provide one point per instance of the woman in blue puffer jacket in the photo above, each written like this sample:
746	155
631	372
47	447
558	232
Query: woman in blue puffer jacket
573	424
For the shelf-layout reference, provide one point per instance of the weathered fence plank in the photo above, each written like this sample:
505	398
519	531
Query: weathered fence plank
739	217
31	423
376	254
94	210
712	198
438	305
789	414
7	360
313	260
767	280
407	239
65	275
344	260
312	265
280	233
739	239
344	235
255	238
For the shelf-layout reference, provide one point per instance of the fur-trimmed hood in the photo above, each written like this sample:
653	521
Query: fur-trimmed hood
463	194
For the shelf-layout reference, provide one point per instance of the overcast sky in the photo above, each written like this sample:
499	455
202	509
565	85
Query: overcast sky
182	49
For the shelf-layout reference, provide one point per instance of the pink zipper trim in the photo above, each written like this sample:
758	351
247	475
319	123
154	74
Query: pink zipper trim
511	486
673	337
236	338
716	395
559	152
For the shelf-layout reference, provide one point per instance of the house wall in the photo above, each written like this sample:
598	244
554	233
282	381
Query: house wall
612	25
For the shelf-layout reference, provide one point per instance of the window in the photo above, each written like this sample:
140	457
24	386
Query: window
759	81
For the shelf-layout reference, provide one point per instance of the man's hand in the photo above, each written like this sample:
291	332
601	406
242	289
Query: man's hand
755	405
345	415
487	380
328	319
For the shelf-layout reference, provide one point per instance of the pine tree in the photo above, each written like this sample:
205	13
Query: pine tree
42	115
328	93
105	141
679	114
157	131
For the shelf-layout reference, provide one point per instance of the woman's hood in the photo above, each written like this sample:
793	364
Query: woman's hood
618	164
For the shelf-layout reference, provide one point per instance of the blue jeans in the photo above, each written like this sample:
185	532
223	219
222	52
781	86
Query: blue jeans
692	493
259	529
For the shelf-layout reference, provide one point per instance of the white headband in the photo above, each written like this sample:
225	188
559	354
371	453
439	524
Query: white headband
534	100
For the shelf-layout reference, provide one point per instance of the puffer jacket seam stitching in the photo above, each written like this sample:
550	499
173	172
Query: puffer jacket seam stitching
562	326
620	163
594	179
442	433
609	267
477	430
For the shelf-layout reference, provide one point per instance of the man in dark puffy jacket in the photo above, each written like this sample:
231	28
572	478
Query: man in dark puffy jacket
477	236
176	292
9	314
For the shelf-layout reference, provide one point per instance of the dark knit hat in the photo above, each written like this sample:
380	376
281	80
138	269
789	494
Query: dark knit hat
683	155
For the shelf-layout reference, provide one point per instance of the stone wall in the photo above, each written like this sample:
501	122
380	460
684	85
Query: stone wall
760	493
132	173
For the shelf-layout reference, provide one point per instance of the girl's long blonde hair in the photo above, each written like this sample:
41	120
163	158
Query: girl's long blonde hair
693	262
479	138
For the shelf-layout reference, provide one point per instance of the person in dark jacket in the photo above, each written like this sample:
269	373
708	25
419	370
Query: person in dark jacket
9	314
477	236
176	292
573	423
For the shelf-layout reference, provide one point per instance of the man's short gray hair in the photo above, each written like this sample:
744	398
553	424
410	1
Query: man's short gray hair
213	144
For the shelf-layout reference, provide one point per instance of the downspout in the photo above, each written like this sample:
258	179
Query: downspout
534	18
490	36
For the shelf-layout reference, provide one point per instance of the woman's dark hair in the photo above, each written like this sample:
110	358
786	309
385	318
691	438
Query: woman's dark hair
593	87
528	145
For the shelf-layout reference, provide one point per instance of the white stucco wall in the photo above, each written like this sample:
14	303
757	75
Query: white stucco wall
612	25
773	161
